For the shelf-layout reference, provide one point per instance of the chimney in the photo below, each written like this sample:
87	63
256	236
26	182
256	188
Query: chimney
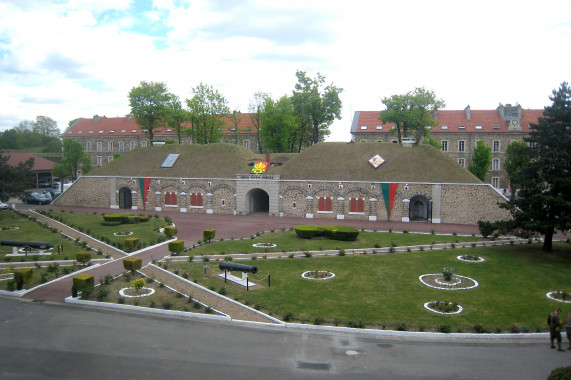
96	118
467	112
129	117
435	114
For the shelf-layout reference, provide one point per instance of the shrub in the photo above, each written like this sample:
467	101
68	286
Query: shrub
170	231
447	273
308	231
131	244
486	228
23	276
341	252
288	317
81	282
138	284
176	246
561	373
356	324
101	293
444	329
106	223
132	263
143	218
208	235
122	218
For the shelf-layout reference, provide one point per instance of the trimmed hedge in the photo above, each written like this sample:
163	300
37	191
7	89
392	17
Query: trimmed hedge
330	232
132	263
176	246
83	257
83	281
24	275
131	244
122	218
143	218
106	223
208	234
171	231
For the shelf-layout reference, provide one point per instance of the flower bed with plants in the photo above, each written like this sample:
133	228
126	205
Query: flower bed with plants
443	307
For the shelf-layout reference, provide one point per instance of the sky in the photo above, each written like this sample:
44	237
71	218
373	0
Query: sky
79	58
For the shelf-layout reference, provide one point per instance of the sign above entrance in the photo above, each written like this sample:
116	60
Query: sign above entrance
170	160
376	161
260	167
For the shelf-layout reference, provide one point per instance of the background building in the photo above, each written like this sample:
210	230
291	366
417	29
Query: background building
458	131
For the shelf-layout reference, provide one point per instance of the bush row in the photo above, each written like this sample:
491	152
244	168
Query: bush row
122	218
330	232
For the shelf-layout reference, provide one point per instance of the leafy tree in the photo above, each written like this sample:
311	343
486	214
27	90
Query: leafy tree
10	139
236	119
47	127
411	112
176	116
481	160
518	155
316	107
544	202
15	179
149	103
54	146
206	108
256	107
73	159
280	126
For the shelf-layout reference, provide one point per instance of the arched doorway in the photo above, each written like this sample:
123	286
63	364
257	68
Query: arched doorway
418	208
125	200
257	201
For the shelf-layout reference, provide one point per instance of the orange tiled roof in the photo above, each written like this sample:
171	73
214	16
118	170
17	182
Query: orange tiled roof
450	121
40	163
127	126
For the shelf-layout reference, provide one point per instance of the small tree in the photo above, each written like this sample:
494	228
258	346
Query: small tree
83	257
138	284
176	246
208	235
481	160
132	263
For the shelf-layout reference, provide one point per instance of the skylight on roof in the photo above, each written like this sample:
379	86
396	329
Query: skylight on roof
100	132
479	127
496	127
461	127
379	127
123	130
112	131
444	127
69	133
90	131
428	126
169	130
134	131
363	127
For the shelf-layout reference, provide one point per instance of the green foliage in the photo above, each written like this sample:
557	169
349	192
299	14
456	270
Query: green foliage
486	228
110	224
83	281
23	275
518	155
176	246
15	179
132	263
308	231
206	108
447	273
131	244
281	128
73	159
138	284
83	257
561	373
208	234
170	231
481	160
342	233
121	218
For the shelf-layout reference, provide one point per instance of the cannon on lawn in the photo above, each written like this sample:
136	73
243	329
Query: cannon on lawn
229	266
29	244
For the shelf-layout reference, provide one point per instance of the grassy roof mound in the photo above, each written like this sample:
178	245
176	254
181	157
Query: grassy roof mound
324	161
195	161
350	162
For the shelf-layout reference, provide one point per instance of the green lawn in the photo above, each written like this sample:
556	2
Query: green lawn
29	230
147	232
287	241
383	291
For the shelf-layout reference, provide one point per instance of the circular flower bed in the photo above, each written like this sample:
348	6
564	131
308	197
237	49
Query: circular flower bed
13	228
559	295
318	275
471	258
443	307
124	233
264	245
437	281
134	293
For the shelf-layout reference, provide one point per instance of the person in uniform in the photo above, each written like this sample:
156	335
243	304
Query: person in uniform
555	329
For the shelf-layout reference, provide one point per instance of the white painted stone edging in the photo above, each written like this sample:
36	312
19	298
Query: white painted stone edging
150	291
440	312
548	294
331	275
447	288
480	259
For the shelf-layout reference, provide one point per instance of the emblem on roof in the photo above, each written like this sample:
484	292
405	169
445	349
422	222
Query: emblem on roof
376	161
260	167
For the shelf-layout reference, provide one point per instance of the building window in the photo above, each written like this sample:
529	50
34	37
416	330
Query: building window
496	146
99	160
247	144
462	162
109	158
496	182
496	164
324	204
131	145
196	200
444	144
222	202
532	144
144	144
99	147
461	145
170	199
356	205
110	146
121	146
88	147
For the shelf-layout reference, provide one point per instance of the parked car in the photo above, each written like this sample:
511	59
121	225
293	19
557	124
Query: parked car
4	206
39	199
44	183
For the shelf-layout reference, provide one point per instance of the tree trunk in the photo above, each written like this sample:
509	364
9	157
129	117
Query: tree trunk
548	239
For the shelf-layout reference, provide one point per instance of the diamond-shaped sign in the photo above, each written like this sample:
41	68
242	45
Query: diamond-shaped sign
376	161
